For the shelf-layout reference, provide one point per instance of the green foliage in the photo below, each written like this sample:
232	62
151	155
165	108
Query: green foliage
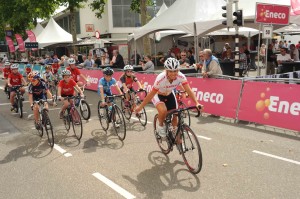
98	7
136	5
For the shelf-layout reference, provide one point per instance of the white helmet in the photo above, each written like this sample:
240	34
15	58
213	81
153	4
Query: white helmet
71	61
7	63
65	72
14	66
171	64
128	67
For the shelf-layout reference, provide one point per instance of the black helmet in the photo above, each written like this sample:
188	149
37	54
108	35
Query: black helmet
108	71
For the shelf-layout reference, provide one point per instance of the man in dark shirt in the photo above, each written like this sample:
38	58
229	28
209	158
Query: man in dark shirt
271	58
97	62
118	62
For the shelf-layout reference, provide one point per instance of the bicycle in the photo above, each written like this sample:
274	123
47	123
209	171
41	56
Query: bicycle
133	102
72	115
112	114
18	100
44	122
52	85
179	97
84	107
183	137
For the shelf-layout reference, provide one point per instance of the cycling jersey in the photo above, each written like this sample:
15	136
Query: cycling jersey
15	79
74	73
128	80
163	85
48	76
67	89
38	91
28	70
106	85
6	72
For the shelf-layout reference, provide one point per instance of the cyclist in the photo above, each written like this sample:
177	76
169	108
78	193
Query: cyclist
104	85
127	80
6	72
37	90
75	72
162	93
28	70
66	89
55	67
15	79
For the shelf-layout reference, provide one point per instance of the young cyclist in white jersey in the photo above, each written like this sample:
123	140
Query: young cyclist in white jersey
162	93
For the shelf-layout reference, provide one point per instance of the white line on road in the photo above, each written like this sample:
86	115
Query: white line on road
5	104
113	185
134	118
277	157
62	151
203	137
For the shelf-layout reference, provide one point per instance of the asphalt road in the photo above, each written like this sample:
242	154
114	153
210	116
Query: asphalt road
239	160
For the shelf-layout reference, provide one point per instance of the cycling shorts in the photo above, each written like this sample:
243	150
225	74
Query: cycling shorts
169	100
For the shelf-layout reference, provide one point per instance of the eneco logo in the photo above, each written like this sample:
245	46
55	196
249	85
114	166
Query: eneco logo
267	14
274	104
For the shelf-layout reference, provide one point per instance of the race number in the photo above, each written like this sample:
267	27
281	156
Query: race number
267	32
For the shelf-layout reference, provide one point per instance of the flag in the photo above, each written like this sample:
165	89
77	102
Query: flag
31	37
10	44
20	42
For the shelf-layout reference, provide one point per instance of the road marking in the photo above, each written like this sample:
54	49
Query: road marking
1	88
5	104
113	185
18	113
5	133
142	120
276	157
203	137
62	151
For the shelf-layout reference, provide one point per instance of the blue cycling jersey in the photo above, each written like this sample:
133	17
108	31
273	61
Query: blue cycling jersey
106	85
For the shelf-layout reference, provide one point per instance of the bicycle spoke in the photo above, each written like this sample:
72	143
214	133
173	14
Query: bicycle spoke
85	110
190	149
48	128
126	109
76	123
103	116
119	123
162	143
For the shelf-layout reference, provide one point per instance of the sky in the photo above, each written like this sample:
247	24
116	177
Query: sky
61	8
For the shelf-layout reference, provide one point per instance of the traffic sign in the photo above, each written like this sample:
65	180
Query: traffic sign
31	44
267	32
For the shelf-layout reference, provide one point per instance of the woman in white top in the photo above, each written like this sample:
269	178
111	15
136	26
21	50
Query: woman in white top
162	93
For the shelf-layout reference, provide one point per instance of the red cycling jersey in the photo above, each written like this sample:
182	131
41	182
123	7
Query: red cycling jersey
74	72
67	88
55	68
15	79
6	72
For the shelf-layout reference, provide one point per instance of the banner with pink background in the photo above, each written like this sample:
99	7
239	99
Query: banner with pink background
31	37
10	44
20	42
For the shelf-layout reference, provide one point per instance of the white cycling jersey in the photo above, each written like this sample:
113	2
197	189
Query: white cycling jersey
163	85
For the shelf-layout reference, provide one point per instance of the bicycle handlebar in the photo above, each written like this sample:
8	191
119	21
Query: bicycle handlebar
183	109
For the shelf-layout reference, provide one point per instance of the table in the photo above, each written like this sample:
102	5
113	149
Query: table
228	67
290	66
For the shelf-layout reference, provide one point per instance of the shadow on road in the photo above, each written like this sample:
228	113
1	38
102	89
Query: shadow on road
163	177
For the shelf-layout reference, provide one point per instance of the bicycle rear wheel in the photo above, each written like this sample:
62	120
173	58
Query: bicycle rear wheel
191	150
119	122
20	107
67	120
76	123
185	114
103	116
142	115
85	110
162	143
126	109
48	128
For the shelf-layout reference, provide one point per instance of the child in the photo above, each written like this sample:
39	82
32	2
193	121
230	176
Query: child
6	72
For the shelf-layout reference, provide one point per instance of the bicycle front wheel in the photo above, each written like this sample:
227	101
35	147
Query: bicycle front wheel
142	116
126	109
85	110
119	122
76	123
103	116
20	107
191	150
186	114
48	127
162	143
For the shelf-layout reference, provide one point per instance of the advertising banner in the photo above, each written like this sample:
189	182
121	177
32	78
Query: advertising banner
272	14
20	42
31	37
295	10
10	44
272	104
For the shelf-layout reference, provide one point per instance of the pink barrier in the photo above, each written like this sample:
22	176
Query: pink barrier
271	104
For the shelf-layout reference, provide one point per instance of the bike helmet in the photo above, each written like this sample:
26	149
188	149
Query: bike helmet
15	66
171	64
71	61
28	65
34	75
48	67
7	63
65	72
108	71
128	67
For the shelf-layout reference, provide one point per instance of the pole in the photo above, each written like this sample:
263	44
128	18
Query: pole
258	67
237	50
196	43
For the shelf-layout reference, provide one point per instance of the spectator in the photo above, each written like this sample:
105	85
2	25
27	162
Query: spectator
198	66
276	45
262	53
4	59
282	57
298	45
48	60
294	52
147	65
168	55
98	62
191	57
271	57
212	65
80	58
133	60
117	60
184	61
88	63
243	62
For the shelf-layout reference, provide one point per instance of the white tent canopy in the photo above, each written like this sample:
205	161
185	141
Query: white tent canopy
199	17
37	30
53	34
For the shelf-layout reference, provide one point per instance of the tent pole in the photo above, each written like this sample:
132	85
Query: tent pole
196	43
155	58
258	67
